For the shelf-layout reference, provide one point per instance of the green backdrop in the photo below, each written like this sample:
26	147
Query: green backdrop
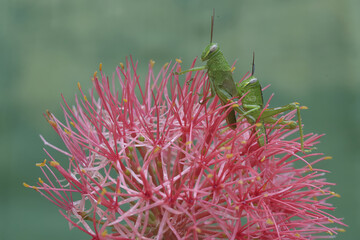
307	50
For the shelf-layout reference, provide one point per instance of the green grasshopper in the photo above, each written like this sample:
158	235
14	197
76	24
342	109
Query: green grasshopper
223	85
252	101
220	75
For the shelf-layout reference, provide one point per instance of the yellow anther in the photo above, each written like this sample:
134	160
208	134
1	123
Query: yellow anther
48	113
85	98
310	167
52	123
226	148
41	164
304	107
127	172
125	100
341	230
266	195
103	192
330	233
157	149
230	155
67	131
122	65
198	230
327	157
178	60
79	85
104	233
233	69
315	198
281	120
41	181
237	208
188	143
297	103
241	182
141	139
138	169
100	67
98	201
263	159
165	65
269	221
28	186
335	194
243	142
258	124
330	220
83	171
73	124
54	163
209	175
258	178
152	62
95	73
235	105
297	235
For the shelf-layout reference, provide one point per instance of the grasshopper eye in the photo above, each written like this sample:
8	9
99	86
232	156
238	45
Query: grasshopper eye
252	81
213	48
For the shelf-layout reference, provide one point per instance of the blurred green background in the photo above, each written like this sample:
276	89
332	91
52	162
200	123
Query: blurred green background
309	51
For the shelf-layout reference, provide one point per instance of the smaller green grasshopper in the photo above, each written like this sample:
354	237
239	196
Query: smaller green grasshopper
252	102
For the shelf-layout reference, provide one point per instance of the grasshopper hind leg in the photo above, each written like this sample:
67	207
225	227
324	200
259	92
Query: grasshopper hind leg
231	119
287	124
261	134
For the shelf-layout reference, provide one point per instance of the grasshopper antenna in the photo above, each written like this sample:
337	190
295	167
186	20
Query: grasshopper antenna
212	25
253	65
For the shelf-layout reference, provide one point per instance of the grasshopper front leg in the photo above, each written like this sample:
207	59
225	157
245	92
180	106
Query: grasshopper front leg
195	69
252	115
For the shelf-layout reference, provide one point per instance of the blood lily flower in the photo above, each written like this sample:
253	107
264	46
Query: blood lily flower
160	165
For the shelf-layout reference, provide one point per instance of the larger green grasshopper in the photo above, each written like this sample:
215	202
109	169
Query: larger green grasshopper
223	85
220	75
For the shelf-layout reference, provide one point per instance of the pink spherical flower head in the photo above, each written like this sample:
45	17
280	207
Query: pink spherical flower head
153	163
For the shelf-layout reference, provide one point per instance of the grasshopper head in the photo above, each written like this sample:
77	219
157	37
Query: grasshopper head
210	51
248	85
